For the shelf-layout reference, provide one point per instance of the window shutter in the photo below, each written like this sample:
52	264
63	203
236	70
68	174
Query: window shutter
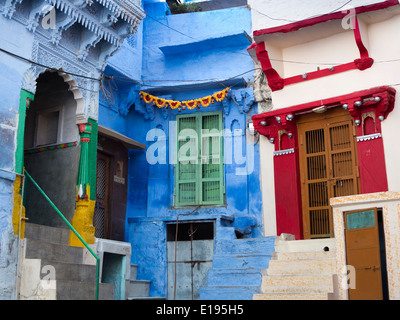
211	164
187	161
199	175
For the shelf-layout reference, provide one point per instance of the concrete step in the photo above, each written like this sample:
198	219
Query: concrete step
301	267
228	292
313	245
297	284
241	261
75	290
70	271
234	277
37	249
138	288
246	245
47	234
291	296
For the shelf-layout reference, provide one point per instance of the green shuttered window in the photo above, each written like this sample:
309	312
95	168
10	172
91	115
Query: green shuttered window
199	178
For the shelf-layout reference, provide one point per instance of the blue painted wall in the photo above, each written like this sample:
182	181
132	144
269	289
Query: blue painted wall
11	77
177	52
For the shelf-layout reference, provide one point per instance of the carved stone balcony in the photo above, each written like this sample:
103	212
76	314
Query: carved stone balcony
74	37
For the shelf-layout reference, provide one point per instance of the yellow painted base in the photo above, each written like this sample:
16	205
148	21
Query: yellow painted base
83	223
18	218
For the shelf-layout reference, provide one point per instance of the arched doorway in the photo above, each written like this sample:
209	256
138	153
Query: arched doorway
51	150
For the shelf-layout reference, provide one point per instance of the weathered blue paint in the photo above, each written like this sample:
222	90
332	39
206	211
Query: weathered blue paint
75	51
171	66
11	77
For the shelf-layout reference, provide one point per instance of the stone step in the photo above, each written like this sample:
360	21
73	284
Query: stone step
301	267
246	245
297	284
313	245
241	261
228	292
291	296
234	277
69	271
137	288
47	234
37	249
75	290
316	255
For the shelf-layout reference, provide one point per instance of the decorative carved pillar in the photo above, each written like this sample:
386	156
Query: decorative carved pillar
83	218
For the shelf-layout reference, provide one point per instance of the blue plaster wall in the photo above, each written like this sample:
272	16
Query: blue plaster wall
11	76
170	65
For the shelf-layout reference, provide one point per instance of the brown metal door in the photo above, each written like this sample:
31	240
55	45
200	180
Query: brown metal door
328	168
101	211
363	253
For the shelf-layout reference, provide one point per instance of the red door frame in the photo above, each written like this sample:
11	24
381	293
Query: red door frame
279	126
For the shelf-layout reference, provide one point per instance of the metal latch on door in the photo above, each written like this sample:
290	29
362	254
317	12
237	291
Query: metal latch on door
373	268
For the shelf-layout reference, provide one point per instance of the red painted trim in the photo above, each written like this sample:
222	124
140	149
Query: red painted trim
288	204
357	35
372	167
320	73
280	122
323	18
275	81
385	92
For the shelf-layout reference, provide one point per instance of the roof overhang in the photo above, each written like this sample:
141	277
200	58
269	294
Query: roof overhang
127	142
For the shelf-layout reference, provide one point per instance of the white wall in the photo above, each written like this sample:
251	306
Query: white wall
267	186
383	43
273	13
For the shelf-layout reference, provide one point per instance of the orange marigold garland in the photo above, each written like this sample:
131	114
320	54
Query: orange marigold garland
187	104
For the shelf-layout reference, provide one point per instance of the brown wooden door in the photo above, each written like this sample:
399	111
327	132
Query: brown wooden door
328	167
363	253
101	211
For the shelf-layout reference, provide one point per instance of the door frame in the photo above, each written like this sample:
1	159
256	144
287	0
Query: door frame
108	185
380	243
325	121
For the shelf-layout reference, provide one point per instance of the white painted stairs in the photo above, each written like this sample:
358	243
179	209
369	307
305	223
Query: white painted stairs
300	270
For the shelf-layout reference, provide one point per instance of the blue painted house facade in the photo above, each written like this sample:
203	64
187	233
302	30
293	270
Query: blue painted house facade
182	218
51	60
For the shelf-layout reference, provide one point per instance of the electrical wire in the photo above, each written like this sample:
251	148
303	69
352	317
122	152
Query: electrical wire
271	59
246	54
137	82
291	21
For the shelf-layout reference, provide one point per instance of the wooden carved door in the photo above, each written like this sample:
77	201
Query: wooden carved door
101	211
328	167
